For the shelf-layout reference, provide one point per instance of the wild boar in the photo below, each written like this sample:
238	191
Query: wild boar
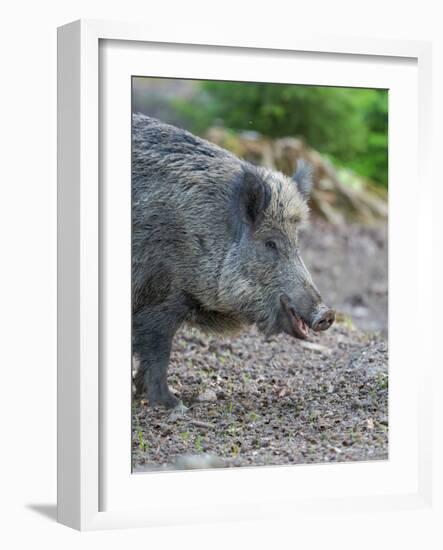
214	243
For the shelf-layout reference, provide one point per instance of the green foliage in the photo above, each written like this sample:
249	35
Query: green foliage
198	444
142	444
350	125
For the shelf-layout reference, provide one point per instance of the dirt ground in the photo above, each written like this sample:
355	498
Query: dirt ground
284	401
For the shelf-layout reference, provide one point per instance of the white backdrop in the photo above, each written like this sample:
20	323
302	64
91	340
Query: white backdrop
28	267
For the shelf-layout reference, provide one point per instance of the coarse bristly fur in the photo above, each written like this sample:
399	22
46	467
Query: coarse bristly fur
214	243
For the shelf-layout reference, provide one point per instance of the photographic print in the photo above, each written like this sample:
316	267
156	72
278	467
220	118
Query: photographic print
259	274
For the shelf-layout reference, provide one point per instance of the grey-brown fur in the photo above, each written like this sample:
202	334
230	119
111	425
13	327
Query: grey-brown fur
203	221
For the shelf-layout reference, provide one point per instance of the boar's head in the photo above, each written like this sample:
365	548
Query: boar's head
263	279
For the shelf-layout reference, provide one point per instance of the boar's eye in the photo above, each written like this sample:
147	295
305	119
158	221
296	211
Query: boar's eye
271	245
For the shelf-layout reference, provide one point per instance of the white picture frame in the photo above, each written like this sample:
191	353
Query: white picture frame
95	487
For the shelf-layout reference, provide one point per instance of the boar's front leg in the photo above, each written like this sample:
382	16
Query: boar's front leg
153	331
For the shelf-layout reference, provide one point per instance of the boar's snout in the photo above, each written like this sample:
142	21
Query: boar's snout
323	319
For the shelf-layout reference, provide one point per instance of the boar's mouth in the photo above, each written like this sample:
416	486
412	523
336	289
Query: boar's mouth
299	328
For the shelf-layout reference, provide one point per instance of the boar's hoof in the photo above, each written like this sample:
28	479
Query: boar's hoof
165	399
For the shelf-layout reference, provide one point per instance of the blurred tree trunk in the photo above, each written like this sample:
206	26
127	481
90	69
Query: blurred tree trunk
337	196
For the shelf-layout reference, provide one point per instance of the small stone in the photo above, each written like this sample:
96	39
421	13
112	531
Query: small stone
207	396
315	347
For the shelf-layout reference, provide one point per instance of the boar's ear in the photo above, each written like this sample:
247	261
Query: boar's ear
254	198
303	178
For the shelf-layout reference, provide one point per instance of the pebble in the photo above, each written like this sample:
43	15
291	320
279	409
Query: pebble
315	347
207	396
